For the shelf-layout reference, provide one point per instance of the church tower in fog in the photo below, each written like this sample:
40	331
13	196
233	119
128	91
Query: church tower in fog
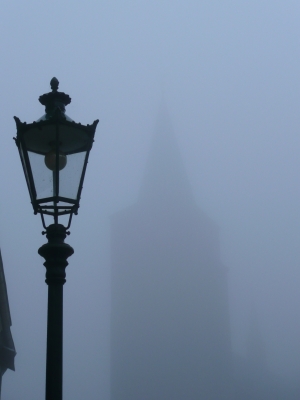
170	333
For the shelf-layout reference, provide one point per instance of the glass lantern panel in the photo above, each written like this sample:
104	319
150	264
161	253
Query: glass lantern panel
42	176
70	175
25	168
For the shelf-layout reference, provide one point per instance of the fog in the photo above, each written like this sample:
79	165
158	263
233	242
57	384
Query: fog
227	72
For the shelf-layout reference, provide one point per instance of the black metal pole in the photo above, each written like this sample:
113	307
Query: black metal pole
55	253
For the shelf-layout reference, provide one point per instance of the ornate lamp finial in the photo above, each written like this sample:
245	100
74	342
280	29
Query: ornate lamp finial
54	84
55	101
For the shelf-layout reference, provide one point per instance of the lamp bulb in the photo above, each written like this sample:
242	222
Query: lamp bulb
50	160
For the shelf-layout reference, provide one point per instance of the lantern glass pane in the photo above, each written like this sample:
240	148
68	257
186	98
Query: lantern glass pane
70	175
42	176
25	168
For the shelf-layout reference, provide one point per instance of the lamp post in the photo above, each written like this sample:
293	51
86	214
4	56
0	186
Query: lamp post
54	152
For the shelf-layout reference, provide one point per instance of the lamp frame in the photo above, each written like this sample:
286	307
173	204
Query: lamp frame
55	117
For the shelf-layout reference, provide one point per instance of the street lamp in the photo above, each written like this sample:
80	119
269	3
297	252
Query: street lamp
54	152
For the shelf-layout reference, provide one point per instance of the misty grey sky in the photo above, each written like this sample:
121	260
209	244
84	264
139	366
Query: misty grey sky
229	74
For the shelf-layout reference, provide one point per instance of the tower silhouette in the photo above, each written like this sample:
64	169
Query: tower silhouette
170	334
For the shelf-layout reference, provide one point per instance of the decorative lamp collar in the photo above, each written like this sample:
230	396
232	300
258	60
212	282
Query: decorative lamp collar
55	102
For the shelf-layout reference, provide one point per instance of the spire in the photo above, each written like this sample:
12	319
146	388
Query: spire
165	180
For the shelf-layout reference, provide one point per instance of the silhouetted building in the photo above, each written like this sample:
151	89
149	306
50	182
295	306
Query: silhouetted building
170	332
7	348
